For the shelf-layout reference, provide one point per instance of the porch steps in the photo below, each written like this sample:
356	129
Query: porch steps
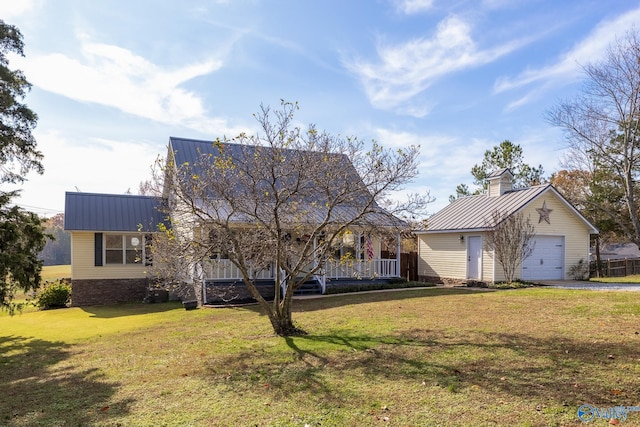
310	287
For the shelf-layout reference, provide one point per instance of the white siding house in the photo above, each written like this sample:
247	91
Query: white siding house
452	248
111	234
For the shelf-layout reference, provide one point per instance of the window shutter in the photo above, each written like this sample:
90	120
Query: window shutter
98	249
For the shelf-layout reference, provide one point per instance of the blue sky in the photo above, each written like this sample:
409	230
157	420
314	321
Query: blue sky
113	80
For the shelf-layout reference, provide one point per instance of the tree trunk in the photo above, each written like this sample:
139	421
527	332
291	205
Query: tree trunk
282	320
282	323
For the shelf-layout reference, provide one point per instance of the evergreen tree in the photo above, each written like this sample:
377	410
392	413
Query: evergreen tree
22	235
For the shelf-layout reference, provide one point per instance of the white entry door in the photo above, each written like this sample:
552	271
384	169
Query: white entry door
547	260
474	257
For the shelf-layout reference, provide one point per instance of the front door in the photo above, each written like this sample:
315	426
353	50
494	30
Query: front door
474	257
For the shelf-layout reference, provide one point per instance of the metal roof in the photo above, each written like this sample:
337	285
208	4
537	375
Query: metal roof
473	212
112	212
191	152
500	172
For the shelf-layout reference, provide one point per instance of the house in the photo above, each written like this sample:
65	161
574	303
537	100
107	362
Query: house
451	250
110	238
112	235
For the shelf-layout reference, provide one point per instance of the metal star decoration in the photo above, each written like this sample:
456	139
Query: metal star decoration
544	213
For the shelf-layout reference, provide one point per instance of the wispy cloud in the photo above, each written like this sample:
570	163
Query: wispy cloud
99	155
567	67
10	9
116	77
441	155
407	69
410	7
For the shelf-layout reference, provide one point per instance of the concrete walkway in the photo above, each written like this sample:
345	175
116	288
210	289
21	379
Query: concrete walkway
593	286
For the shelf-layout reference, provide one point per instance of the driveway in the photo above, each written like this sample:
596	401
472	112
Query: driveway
593	286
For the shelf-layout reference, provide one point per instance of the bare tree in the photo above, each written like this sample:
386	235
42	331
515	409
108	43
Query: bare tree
510	238
602	130
281	201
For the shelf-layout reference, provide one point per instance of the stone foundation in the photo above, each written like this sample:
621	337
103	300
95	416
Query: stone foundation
107	291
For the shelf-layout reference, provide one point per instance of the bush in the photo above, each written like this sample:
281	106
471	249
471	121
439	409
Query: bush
516	284
579	271
374	286
55	295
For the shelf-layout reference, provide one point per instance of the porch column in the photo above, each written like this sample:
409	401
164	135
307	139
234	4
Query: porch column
399	240
315	249
203	274
358	247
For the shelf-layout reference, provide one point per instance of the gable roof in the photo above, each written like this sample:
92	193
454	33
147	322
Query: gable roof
191	151
112	212
471	213
499	173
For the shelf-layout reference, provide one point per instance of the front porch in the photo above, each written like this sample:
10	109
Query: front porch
222	273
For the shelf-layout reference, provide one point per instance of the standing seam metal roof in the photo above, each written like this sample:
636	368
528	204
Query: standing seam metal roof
112	212
190	151
473	212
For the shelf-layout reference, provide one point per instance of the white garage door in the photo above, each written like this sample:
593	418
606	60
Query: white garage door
547	260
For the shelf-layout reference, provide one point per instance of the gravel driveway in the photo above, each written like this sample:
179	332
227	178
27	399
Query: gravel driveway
594	286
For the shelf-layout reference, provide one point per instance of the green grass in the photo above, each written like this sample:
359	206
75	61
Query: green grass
49	273
404	358
54	272
627	279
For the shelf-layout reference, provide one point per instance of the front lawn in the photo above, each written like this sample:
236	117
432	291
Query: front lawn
404	358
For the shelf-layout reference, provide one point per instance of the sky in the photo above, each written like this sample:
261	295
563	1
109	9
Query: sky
113	80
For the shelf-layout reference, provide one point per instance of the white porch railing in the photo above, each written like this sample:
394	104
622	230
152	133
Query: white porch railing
375	268
223	269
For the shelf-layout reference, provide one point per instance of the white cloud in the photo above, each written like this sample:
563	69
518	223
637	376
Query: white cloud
407	69
414	6
10	9
445	161
116	77
567	68
99	166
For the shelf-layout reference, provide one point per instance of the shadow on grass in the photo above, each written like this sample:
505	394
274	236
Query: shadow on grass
352	298
37	392
551	371
128	309
340	300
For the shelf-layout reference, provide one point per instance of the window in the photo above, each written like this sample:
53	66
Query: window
127	249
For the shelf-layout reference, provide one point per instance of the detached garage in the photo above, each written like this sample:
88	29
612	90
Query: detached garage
452	250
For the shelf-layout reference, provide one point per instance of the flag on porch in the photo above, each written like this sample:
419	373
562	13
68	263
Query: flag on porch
369	248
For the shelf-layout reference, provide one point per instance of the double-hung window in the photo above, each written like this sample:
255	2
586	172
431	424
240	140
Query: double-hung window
127	249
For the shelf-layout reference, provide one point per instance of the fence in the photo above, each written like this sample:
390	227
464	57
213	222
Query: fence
616	267
409	265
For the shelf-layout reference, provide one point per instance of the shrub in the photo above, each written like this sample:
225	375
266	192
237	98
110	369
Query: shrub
516	284
579	271
374	286
55	295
